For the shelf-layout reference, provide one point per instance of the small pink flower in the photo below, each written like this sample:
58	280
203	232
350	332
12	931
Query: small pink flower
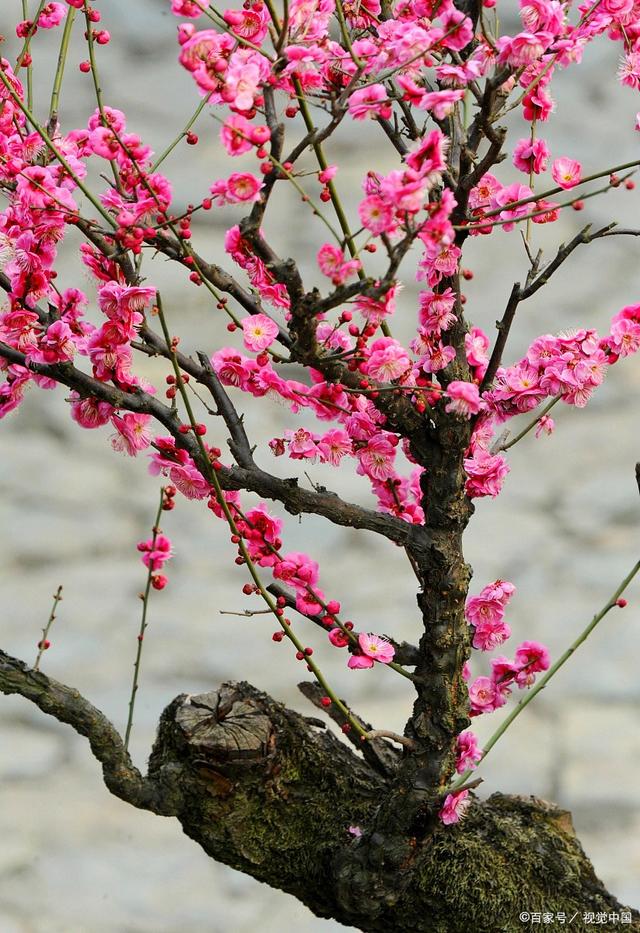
629	70
52	15
429	155
186	8
486	474
90	412
302	444
484	696
235	134
436	310
566	172
506	198
440	103
464	399
490	635
531	156
531	657
372	101
55	346
376	459
388	360
243	186
376	214
327	174
332	263
455	807
189	481
259	332
467	752
476	345
333	446
132	433
359	662
373	646
155	553
545	425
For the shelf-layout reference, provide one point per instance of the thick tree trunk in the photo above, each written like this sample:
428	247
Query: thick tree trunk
276	796
280	797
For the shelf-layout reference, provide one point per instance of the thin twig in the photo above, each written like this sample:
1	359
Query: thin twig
43	644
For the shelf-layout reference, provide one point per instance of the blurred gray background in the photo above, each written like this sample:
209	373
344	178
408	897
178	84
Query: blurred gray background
565	531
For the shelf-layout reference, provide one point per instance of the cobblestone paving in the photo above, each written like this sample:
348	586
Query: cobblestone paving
74	860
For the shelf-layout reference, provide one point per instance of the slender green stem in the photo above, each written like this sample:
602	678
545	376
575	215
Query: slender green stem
25	15
42	644
531	424
348	633
344	29
544	210
143	626
551	191
97	86
203	103
305	197
26	48
211	477
62	61
322	162
333	191
56	152
553	670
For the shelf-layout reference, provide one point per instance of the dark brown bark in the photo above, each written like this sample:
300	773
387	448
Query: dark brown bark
277	796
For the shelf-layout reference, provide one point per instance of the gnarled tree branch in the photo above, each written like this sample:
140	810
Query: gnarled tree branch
68	706
264	790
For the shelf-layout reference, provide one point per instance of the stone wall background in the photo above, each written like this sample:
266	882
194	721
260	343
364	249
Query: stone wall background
74	860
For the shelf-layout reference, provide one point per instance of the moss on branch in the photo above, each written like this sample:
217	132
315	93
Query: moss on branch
279	797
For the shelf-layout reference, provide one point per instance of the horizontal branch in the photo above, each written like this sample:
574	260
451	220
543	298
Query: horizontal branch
68	706
67	374
297	500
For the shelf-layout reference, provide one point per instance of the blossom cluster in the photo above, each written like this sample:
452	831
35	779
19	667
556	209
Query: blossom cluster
257	73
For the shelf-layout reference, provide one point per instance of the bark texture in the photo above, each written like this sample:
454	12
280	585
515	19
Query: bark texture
278	796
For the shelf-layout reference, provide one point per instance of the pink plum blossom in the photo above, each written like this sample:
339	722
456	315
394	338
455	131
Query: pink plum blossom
464	399
566	172
467	752
531	156
370	101
455	807
188	8
133	433
531	657
52	15
338	638
373	646
545	425
155	552
484	696
259	332
388	360
485	473
56	345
